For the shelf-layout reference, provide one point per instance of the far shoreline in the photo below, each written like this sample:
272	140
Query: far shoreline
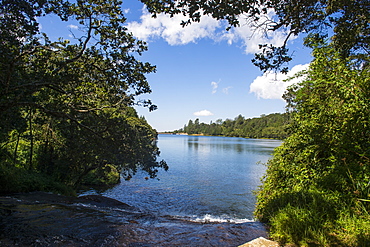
201	134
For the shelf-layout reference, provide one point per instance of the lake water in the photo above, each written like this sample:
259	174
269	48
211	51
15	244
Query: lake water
209	179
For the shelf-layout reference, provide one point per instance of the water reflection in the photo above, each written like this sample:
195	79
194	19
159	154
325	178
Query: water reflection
208	176
209	144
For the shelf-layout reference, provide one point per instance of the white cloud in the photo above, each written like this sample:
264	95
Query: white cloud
170	29
126	11
272	85
71	26
214	87
174	34
203	113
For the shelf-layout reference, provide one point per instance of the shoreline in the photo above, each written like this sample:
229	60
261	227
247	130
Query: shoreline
186	134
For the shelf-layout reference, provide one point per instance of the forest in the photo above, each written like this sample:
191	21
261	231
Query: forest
272	126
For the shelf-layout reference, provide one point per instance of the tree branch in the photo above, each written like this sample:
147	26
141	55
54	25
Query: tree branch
57	114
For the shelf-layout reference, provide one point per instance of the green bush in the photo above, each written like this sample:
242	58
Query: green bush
107	175
316	188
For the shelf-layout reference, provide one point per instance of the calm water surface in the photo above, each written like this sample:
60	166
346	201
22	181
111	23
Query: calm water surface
210	178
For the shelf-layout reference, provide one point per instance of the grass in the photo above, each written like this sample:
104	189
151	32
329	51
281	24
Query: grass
14	180
314	218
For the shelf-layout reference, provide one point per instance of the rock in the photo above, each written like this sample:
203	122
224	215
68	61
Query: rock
102	201
260	242
44	219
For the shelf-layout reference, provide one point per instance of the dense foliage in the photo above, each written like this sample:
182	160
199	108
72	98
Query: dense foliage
267	126
66	106
317	186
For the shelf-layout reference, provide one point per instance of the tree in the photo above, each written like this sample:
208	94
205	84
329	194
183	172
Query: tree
348	20
66	105
319	179
102	53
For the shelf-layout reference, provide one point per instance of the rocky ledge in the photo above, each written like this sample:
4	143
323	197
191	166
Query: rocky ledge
43	219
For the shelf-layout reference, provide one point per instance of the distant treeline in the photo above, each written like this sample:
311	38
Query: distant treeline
266	126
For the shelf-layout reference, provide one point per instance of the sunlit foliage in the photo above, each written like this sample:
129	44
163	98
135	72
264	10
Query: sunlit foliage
319	179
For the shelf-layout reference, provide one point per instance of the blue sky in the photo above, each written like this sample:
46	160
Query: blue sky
202	71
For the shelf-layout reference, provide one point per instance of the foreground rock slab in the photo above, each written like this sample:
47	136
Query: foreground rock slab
42	219
261	242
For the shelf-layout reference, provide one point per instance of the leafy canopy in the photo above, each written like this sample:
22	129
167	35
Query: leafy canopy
346	21
66	105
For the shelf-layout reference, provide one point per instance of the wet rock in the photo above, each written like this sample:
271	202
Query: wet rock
102	201
43	219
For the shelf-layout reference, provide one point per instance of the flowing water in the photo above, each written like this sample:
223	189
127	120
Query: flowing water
211	179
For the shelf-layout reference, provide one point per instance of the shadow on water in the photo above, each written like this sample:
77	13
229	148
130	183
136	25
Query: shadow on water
42	219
